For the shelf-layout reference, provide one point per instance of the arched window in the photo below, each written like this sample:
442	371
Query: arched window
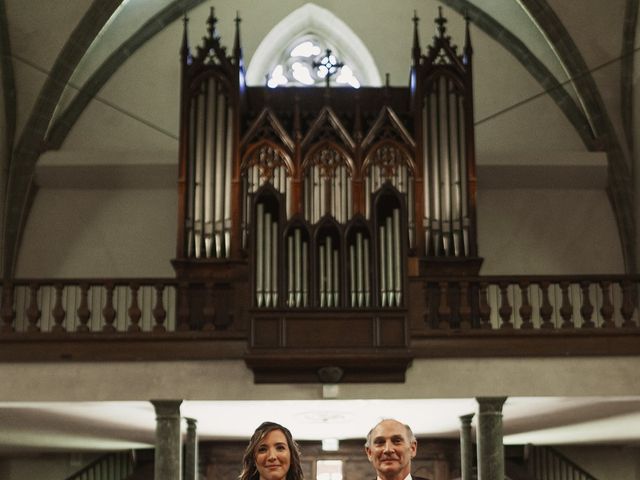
324	30
307	61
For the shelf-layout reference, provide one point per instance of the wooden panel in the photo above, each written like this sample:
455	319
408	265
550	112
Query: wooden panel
265	332
392	332
329	332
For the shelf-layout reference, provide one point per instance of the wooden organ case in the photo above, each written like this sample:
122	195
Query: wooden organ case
311	220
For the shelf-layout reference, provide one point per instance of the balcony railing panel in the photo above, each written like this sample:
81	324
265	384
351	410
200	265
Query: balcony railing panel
90	305
533	303
548	312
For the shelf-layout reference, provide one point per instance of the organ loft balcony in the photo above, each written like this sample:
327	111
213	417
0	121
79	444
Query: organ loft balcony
323	235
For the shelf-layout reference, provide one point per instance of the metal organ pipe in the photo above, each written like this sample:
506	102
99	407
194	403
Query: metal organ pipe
259	254
266	249
444	165
329	273
297	267
390	260
297	276
208	220
191	181
383	264
199	178
360	294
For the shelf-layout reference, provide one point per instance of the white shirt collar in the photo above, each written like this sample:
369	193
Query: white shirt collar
408	477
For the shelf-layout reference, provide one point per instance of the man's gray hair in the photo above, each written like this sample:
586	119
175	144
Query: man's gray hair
408	431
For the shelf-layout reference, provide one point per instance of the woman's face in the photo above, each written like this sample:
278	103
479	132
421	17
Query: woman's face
273	457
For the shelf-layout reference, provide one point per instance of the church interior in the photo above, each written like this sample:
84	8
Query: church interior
324	214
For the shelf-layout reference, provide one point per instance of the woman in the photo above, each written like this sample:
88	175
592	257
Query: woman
271	455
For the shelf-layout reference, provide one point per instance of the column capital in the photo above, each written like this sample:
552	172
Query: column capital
191	422
466	419
490	404
166	408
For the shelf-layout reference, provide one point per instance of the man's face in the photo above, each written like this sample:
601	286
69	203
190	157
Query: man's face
390	450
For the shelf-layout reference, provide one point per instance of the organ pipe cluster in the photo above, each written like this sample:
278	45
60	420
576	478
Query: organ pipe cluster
208	219
390	259
359	272
297	270
446	222
266	260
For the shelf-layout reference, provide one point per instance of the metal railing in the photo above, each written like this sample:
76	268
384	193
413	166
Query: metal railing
546	463
112	466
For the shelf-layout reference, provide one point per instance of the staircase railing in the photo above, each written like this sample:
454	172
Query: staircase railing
112	466
546	463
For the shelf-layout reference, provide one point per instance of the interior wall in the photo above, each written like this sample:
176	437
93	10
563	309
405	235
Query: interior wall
42	466
546	231
619	462
99	234
232	380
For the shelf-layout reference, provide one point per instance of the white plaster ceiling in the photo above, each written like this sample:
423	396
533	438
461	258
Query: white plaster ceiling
92	426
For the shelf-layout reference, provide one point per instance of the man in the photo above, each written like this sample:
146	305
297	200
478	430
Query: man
390	446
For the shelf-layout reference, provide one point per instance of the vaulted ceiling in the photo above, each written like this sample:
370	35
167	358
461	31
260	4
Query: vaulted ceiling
103	75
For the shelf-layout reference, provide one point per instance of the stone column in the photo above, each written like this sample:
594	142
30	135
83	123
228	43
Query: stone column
168	459
466	448
191	451
489	438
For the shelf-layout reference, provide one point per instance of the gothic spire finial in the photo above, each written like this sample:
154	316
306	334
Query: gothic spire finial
415	51
468	49
440	21
211	24
185	52
237	49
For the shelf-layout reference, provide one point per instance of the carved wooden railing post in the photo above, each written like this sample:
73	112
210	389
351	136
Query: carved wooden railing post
134	310
525	309
628	304
484	308
444	310
465	307
159	312
607	306
209	309
586	310
83	309
33	312
8	313
505	309
566	309
58	312
108	312
546	310
183	312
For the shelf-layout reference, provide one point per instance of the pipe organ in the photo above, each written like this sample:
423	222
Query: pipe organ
303	202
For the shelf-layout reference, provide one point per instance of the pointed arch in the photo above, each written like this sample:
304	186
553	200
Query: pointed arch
312	18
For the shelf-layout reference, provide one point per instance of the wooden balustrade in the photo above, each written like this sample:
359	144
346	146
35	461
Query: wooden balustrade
467	303
534	302
85	306
169	319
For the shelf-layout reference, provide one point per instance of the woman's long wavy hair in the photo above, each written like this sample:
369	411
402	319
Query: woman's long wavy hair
249	468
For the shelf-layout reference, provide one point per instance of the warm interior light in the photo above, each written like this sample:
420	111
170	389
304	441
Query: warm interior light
329	470
330	445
